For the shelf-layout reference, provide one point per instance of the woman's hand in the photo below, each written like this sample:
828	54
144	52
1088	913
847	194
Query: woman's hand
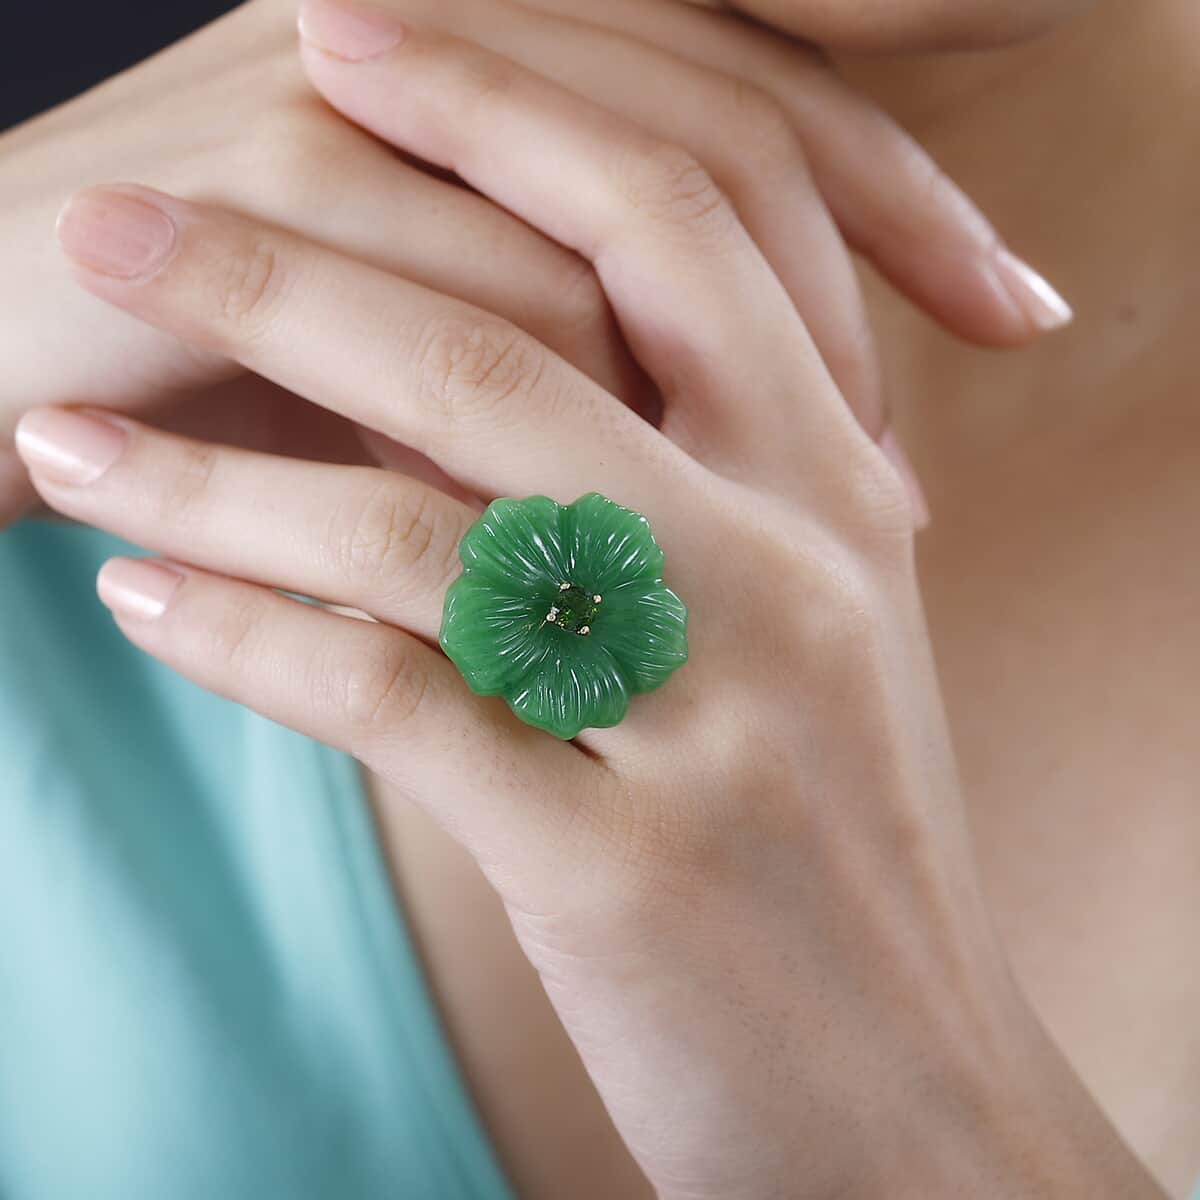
753	903
227	117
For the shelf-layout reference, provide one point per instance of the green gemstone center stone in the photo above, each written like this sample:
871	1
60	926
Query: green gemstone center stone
573	610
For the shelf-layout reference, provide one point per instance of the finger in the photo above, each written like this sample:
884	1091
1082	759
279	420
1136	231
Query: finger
309	170
738	132
364	688
380	542
897	207
891	200
486	403
449	239
699	306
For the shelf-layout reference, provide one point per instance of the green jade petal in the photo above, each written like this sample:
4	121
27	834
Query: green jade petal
529	618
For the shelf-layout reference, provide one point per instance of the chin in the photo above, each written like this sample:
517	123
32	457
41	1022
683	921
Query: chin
895	25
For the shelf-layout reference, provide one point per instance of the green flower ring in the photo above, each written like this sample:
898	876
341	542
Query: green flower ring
561	609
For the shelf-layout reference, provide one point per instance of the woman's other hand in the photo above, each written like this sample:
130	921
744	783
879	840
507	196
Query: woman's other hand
226	116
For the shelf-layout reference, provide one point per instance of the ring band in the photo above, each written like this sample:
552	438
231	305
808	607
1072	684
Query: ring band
562	610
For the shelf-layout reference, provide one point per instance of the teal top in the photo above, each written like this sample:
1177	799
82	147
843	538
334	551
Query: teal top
206	989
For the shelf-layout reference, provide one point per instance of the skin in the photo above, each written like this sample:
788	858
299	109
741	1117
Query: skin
798	151
1126	1071
1060	565
1075	874
894	987
907	25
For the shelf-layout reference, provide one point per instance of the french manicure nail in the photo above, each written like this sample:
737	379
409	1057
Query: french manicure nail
137	587
68	447
116	234
349	30
1040	302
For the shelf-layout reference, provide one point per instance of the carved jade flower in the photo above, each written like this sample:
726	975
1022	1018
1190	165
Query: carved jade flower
561	609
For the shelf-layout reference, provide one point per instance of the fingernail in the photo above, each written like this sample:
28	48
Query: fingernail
67	446
115	234
137	587
890	445
349	30
1044	307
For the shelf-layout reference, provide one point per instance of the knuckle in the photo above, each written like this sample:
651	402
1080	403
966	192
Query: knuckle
852	356
232	634
247	283
471	367
394	533
850	624
485	77
842	627
838	604
580	305
187	484
925	180
877	508
385	691
932	193
670	186
764	140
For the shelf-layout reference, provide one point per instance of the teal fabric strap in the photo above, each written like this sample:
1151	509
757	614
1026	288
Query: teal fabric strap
205	986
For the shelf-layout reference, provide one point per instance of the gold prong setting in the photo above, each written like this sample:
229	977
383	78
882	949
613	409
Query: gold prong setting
576	609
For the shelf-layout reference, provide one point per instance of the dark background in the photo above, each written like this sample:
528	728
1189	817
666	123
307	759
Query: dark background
52	50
